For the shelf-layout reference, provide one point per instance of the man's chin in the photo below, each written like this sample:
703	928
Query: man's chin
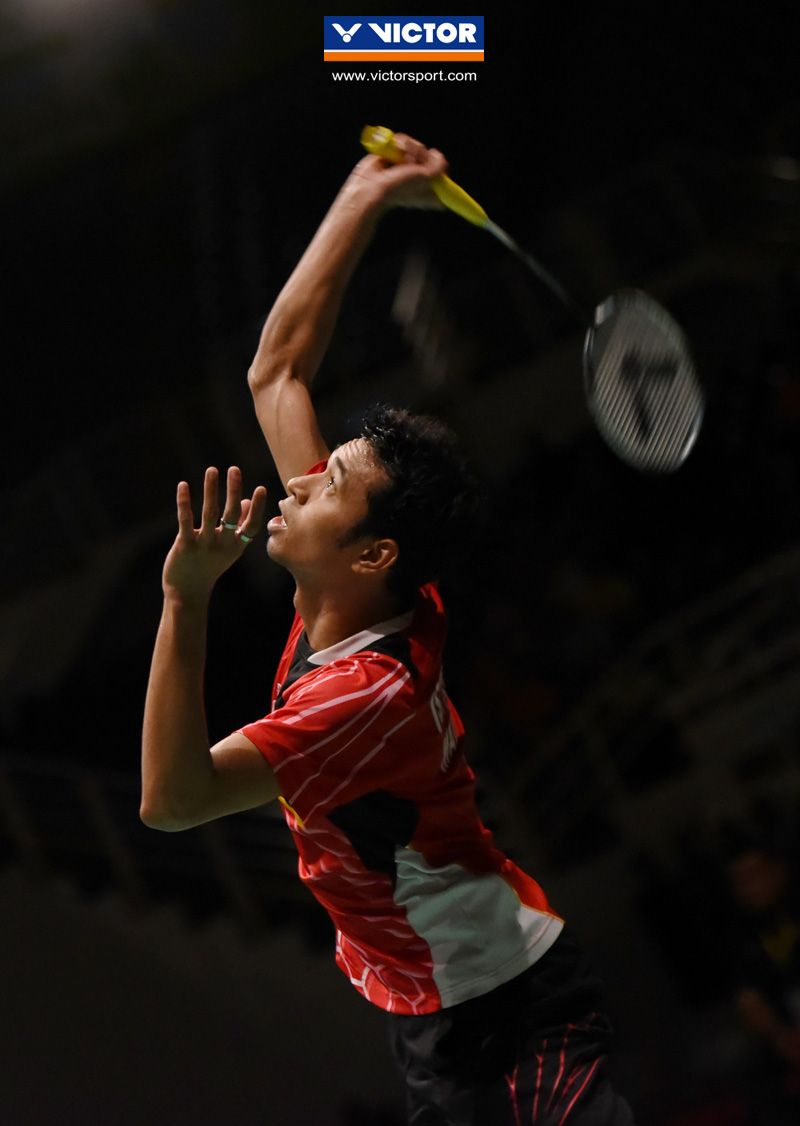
274	551
278	555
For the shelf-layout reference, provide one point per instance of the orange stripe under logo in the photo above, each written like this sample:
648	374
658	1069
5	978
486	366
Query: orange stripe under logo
403	56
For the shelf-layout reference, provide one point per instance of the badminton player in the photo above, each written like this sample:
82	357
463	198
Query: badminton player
493	1014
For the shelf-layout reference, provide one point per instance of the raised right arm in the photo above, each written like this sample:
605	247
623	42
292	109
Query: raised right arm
299	327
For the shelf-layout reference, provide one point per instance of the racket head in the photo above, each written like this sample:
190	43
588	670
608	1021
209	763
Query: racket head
641	384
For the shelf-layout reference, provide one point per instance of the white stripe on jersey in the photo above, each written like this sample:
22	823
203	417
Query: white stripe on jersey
355	769
406	972
343	669
341	699
385	698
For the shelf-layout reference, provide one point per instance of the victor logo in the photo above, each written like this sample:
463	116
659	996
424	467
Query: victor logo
349	33
403	38
425	32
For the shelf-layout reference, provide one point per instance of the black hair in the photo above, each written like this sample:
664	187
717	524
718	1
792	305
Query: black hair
431	503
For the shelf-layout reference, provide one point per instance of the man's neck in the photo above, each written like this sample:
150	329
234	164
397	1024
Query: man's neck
330	618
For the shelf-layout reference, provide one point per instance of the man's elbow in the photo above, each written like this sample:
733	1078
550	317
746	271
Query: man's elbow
255	377
269	373
158	816
260	376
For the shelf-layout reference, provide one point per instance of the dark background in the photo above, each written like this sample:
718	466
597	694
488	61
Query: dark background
164	164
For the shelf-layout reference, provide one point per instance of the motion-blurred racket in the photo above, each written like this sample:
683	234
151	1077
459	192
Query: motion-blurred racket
638	373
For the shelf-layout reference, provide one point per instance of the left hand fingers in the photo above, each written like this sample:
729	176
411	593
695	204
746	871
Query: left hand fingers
232	516
185	518
208	519
253	515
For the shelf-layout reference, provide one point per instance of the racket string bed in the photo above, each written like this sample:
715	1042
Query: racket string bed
641	384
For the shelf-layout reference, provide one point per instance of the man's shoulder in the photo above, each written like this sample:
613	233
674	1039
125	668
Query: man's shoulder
394	647
408	648
418	645
353	681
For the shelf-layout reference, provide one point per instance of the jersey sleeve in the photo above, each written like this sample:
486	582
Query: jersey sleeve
329	743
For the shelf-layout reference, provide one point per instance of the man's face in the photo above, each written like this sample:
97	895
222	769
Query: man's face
319	512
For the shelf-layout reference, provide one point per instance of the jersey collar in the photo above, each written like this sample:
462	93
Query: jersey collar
361	640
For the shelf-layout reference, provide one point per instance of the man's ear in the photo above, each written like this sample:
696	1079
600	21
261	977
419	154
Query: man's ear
376	557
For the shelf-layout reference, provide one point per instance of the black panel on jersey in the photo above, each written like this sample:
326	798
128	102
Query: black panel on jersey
299	667
375	825
394	645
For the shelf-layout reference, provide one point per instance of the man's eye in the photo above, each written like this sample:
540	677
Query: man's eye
329	482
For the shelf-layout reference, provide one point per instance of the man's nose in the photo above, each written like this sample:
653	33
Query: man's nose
297	487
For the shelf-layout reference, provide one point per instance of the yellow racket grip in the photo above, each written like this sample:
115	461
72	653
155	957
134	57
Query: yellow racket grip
379	140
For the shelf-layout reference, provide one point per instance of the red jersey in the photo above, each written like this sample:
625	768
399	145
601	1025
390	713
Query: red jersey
367	751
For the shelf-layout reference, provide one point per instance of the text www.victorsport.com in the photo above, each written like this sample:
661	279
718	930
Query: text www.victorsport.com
404	76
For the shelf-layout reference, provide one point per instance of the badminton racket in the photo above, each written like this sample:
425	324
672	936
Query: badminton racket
639	377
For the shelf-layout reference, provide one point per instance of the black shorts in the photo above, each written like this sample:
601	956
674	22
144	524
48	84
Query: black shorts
531	1051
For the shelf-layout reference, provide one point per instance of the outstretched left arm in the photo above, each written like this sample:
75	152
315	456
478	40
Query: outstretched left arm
184	781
